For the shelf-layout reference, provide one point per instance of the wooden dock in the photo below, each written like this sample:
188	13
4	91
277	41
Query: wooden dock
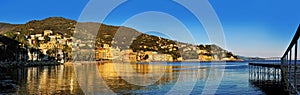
278	77
264	64
267	77
288	66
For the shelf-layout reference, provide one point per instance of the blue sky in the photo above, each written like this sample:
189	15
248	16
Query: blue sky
261	28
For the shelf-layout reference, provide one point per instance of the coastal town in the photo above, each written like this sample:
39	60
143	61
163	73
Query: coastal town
151	47
46	44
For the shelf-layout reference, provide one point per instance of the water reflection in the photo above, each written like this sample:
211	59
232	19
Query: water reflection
133	78
130	78
46	80
121	78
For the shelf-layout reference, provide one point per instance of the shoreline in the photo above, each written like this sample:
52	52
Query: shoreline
109	61
9	65
213	61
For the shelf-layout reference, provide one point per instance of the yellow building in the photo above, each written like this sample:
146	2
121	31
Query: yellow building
107	53
180	59
202	51
162	57
205	58
47	32
103	54
52	39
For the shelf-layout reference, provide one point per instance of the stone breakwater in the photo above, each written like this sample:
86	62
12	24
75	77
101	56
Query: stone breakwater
15	64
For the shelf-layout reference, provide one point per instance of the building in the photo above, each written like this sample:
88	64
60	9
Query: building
162	57
107	53
199	51
203	57
38	35
128	56
52	39
47	32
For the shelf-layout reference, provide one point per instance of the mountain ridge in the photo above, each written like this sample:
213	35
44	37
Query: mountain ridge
115	36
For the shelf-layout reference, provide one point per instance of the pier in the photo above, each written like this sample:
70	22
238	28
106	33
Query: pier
267	77
282	77
289	66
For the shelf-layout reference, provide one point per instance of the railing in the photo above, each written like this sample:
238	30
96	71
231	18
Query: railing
289	66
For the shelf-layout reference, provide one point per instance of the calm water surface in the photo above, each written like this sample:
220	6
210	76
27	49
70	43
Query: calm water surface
131	78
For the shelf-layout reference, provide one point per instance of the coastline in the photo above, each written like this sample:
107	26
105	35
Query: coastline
14	64
9	65
214	61
110	61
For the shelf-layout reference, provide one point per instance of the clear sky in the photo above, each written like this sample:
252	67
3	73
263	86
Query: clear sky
260	28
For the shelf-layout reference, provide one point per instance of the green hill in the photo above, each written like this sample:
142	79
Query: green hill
116	36
4	27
